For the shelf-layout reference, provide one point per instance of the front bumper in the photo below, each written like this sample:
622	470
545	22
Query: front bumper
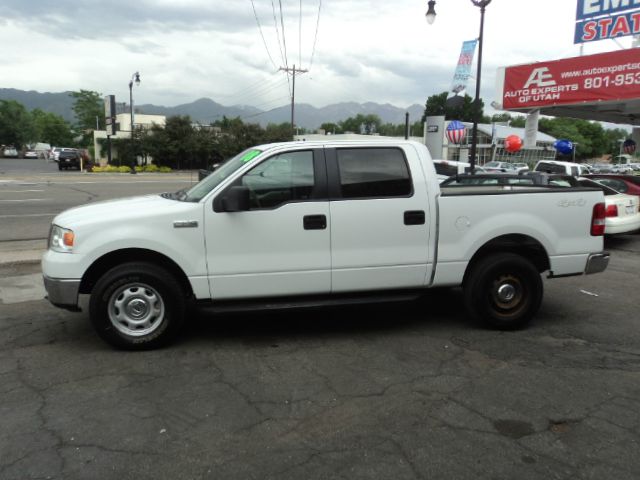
597	262
62	293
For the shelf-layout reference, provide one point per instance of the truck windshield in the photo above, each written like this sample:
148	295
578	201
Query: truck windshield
201	189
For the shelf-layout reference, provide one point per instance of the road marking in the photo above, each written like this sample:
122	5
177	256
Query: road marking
19	191
30	215
28	200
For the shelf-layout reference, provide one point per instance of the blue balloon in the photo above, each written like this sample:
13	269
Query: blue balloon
563	146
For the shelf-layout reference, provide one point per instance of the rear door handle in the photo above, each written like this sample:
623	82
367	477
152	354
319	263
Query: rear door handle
414	217
314	222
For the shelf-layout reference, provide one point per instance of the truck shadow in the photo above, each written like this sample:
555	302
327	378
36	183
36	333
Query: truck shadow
629	242
437	309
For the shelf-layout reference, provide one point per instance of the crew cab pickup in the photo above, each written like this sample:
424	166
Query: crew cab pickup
306	223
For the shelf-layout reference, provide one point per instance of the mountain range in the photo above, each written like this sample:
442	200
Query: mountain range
205	110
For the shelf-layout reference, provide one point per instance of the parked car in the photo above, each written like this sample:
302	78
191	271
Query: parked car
10	152
622	169
629	184
68	159
566	168
55	152
521	167
601	168
622	214
447	168
30	154
504	167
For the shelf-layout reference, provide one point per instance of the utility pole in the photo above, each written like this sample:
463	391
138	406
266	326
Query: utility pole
293	71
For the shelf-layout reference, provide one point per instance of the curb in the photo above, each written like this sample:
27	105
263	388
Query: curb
21	252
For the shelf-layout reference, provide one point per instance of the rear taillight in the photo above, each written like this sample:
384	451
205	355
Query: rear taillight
612	211
597	219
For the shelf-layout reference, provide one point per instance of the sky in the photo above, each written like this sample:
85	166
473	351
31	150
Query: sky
365	51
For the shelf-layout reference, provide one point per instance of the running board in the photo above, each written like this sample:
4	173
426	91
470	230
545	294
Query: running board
287	303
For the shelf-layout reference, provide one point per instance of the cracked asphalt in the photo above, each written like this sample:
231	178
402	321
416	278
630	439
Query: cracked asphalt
400	391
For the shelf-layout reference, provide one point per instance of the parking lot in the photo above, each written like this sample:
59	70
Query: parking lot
406	390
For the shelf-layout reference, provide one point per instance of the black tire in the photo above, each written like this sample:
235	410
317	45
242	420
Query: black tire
59	167
137	306
503	291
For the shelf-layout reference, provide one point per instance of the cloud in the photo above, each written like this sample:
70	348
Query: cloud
92	19
366	50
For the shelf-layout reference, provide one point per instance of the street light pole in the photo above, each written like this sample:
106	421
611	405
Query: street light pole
476	103
134	78
431	16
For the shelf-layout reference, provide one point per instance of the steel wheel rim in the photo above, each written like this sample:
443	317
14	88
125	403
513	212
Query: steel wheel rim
136	309
507	295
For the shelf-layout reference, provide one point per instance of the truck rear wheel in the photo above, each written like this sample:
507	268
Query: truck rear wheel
503	291
137	306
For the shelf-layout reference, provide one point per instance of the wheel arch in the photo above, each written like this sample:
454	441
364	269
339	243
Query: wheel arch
112	259
519	244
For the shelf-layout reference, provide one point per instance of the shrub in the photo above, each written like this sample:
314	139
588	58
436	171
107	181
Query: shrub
127	169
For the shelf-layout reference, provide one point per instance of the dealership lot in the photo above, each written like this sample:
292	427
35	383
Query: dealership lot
399	391
408	390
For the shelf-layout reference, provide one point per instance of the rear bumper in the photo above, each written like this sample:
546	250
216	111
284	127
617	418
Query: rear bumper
62	293
597	262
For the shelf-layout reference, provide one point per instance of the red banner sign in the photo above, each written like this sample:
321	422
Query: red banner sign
594	78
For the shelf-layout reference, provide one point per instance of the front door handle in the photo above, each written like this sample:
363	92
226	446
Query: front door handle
414	217
314	222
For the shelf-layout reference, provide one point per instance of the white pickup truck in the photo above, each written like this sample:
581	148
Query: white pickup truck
305	223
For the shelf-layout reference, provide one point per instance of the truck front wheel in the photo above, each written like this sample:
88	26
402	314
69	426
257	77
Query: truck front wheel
137	306
503	291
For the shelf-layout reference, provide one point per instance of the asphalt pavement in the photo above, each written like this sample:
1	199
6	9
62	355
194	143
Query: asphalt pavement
401	391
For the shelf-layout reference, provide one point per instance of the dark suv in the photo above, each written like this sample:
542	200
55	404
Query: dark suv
69	159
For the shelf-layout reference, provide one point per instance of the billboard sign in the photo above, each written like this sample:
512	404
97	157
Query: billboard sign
110	114
606	19
463	70
602	77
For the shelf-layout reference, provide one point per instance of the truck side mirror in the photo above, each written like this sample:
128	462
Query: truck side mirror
236	199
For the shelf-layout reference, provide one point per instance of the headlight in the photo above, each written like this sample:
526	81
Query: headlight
61	239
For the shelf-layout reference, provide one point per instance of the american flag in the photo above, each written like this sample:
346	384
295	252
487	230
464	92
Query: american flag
456	131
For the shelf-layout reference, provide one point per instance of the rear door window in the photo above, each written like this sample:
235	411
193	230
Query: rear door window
373	173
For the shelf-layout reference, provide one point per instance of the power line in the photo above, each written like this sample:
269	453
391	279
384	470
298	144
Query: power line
262	113
300	36
269	103
315	40
284	37
262	35
260	90
275	21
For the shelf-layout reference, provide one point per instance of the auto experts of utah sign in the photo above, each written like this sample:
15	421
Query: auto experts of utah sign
609	76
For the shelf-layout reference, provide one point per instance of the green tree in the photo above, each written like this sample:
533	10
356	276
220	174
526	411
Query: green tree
365	124
518	122
88	107
590	138
614	138
437	105
51	128
16	125
280	132
330	127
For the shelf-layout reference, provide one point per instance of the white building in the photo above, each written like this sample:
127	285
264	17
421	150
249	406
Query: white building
123	121
491	145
